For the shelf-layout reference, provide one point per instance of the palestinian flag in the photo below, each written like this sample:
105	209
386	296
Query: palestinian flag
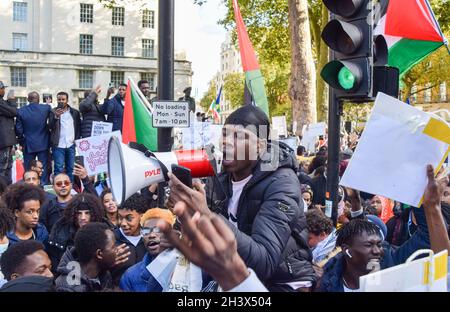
411	32
254	81
137	120
214	109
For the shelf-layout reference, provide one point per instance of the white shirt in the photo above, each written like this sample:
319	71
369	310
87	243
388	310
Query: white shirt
67	131
351	290
234	201
250	284
132	239
123	103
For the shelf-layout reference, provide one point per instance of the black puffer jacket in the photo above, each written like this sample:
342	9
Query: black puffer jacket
91	111
270	220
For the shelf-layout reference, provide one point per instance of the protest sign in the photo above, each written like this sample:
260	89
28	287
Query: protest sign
279	127
423	275
397	144
310	135
101	128
95	152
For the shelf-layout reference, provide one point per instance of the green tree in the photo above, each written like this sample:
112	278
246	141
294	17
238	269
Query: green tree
209	96
429	73
233	89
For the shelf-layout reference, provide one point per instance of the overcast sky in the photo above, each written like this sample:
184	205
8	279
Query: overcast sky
197	32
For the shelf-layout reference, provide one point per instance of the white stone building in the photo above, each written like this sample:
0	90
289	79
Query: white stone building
73	46
230	62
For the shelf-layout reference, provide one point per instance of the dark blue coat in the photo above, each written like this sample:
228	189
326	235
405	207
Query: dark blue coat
31	127
114	109
138	279
40	232
333	270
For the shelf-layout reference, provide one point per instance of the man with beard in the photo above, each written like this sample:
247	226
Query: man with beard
54	209
137	278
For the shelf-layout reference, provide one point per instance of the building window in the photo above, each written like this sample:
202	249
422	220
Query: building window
427	97
20	11
151	78
117	77
86	79
118	16
20	41
18	77
148	48
86	13
443	92
148	19
117	46
86	44
21	101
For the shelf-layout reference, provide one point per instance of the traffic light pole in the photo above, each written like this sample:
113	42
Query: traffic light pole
165	65
166	12
334	130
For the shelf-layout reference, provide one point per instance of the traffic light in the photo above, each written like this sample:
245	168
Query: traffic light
359	58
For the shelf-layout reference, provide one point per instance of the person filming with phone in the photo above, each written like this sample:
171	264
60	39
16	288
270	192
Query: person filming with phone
65	128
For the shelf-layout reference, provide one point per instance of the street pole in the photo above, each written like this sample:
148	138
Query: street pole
166	13
334	130
165	65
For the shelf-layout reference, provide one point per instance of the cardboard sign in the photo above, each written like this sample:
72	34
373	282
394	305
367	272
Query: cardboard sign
279	126
397	144
95	152
101	128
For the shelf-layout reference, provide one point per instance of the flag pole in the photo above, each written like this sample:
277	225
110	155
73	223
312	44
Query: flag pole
438	26
143	98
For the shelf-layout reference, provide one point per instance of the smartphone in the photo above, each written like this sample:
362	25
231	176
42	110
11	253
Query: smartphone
10	94
60	106
79	160
183	174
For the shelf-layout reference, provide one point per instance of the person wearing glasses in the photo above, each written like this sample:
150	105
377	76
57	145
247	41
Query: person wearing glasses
137	278
54	209
25	202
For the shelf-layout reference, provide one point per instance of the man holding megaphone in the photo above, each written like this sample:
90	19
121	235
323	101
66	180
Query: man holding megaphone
257	196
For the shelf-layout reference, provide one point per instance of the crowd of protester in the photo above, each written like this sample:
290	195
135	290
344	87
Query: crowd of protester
258	225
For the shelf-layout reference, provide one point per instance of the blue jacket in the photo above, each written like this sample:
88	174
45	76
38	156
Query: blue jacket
40	232
31	127
138	279
333	270
114	109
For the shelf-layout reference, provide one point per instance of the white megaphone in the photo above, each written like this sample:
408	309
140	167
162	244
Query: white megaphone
130	170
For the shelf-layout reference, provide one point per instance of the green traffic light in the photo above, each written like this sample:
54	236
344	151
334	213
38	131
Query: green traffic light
346	78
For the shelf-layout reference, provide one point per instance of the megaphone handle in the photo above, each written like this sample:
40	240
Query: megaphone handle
141	148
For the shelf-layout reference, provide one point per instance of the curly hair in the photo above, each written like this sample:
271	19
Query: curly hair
136	202
17	194
317	222
6	220
89	239
84	202
3	185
